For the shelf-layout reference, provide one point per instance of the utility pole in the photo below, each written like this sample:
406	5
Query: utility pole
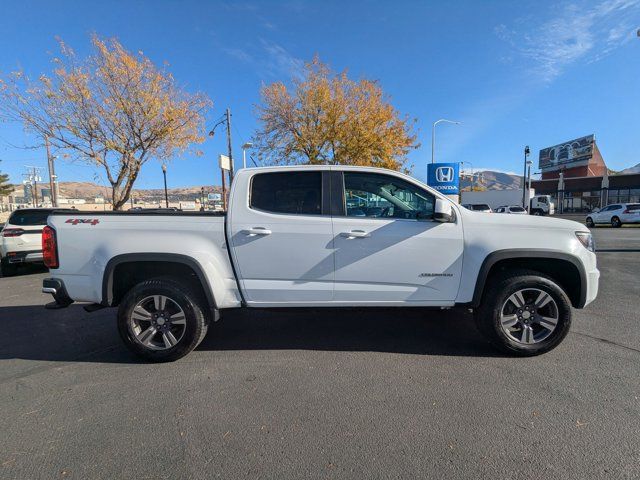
229	145
226	118
224	191
35	188
524	175
166	196
52	174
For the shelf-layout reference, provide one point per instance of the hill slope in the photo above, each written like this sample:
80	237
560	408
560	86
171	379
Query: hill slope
634	169
492	180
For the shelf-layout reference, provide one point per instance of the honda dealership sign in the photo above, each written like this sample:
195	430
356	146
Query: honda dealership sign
444	177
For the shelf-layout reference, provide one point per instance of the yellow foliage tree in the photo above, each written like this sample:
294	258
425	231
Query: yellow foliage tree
327	118
114	109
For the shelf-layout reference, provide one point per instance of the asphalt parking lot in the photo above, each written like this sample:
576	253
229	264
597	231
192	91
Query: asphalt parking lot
387	393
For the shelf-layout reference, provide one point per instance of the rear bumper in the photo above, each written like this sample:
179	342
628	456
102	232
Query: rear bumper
27	256
56	288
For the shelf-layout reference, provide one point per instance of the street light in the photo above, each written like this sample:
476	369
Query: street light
166	196
244	153
433	135
524	175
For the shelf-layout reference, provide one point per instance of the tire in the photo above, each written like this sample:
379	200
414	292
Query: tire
590	223
161	330
8	270
615	222
537	213
535	334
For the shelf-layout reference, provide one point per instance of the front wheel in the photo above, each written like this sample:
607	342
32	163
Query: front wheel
589	222
615	222
524	313
161	320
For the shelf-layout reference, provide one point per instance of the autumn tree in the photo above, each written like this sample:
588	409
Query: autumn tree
328	118
114	109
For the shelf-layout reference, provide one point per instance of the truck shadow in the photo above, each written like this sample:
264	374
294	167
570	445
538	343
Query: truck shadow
72	335
28	269
391	330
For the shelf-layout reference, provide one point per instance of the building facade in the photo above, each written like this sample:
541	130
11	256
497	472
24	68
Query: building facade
583	194
576	176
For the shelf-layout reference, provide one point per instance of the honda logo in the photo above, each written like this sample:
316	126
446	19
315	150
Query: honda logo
444	174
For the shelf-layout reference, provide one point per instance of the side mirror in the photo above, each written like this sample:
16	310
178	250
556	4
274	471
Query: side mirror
443	211
595	210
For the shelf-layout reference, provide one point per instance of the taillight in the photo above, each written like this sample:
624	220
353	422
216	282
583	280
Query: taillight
12	232
49	247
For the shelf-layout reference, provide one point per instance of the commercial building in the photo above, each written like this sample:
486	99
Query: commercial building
576	176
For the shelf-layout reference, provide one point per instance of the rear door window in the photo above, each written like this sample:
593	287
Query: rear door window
298	193
27	218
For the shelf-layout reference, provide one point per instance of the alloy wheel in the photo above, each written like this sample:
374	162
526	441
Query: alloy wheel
529	316
157	322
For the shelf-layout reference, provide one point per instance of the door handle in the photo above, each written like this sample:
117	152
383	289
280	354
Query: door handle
257	231
356	234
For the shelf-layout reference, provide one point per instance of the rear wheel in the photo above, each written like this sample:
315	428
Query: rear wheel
615	222
160	320
8	269
589	222
524	313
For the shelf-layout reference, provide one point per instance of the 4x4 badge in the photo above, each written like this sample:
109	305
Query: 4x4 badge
76	221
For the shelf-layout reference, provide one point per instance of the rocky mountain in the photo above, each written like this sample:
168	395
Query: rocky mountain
89	191
634	169
491	180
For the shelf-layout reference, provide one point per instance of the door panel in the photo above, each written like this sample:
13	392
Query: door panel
397	260
387	247
285	256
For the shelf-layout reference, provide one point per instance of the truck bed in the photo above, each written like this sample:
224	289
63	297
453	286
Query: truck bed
90	243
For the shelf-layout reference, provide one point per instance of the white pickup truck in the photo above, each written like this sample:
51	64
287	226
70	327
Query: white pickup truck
321	236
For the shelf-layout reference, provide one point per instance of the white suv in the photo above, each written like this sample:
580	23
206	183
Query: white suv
615	215
21	239
513	209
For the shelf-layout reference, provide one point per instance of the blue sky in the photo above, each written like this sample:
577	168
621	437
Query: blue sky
514	73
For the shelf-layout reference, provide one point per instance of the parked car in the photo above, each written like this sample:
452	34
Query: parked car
478	207
511	209
21	239
615	215
288	240
536	204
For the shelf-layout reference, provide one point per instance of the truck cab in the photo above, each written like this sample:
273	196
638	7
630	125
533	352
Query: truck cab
541	205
